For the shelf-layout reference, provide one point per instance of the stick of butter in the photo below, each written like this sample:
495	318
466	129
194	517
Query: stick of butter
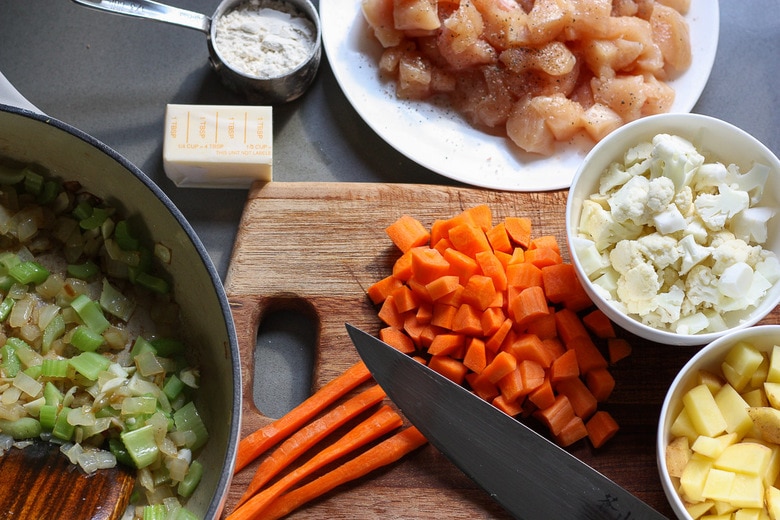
218	146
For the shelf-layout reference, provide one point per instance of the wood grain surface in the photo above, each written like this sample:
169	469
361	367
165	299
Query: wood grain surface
318	246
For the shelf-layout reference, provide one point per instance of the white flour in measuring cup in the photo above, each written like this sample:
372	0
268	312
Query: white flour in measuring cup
264	38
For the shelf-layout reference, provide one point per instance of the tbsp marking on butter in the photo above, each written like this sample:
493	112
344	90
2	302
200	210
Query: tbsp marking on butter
218	146
264	38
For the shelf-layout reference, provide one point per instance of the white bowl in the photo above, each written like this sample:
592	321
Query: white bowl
717	141
763	337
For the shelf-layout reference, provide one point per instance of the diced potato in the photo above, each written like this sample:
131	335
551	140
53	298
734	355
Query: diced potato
767	422
747	514
704	412
694	476
756	397
773	373
745	457
734	410
772	391
772	499
678	453
699	509
746	491
717	485
713	447
712	380
740	363
683	427
759	376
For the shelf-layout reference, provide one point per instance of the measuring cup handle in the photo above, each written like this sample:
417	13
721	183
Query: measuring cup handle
151	11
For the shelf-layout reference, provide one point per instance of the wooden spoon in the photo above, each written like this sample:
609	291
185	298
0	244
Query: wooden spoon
40	482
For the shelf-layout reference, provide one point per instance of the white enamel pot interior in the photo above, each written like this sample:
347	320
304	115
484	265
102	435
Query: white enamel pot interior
66	152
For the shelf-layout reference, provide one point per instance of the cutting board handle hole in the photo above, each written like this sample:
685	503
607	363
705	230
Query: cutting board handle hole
283	360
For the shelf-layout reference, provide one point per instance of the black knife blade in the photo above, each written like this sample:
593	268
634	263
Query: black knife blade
531	477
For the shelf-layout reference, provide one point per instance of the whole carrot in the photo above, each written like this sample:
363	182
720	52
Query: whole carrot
384	453
308	436
380	423
256	443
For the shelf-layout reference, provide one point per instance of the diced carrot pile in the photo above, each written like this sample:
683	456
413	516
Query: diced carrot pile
497	310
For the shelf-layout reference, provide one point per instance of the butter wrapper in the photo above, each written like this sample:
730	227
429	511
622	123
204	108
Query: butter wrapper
215	146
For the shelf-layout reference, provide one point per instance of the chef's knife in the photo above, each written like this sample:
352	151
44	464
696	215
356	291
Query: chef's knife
523	471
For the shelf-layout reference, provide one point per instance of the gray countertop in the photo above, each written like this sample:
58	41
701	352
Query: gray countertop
112	76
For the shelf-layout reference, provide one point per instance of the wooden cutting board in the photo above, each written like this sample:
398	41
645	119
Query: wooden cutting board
318	246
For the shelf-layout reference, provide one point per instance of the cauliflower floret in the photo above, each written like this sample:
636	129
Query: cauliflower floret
660	194
592	261
708	177
769	266
691	253
716	210
597	224
701	287
613	177
638	288
683	199
639	153
735	279
676	158
668	306
629	203
752	181
660	249
669	220
751	224
626	255
733	251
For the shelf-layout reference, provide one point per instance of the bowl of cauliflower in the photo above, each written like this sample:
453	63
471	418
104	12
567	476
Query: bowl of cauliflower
672	228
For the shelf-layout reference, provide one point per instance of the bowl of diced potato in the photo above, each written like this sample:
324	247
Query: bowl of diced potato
718	441
672	228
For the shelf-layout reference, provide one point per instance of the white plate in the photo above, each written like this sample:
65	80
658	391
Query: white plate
438	138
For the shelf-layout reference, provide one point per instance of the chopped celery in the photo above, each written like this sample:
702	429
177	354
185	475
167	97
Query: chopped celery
83	271
144	404
85	339
23	428
187	418
191	480
49	192
52	394
95	219
90	313
53	330
27	356
124	237
54	368
33	182
5	308
153	283
8	260
6	282
62	428
29	271
33	371
48	416
82	210
182	513
173	387
148	364
141	445
10	363
10	175
167	347
89	364
155	512
140	346
117	447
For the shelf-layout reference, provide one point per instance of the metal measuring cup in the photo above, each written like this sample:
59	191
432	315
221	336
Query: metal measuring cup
272	90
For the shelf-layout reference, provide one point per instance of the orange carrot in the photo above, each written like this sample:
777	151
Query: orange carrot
407	232
543	257
380	423
511	408
558	280
569	325
581	399
543	326
519	230
449	367
491	266
531	373
601	427
303	439
529	346
414	327
442	286
545	242
424	313
481	216
383	288
482	387
599	324
564	367
494	342
529	304
618	349
404	299
479	291
467	320
256	443
384	453
461	265
402	268
499	238
476	357
491	320
512	386
600	383
442	315
502	364
543	396
446	344
389	314
397	339
428	264
573	431
523	275
557	415
588	355
469	239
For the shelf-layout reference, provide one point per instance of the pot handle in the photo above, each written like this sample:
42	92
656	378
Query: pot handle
10	96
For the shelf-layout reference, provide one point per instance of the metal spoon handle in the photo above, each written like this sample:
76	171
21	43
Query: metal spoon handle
151	11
